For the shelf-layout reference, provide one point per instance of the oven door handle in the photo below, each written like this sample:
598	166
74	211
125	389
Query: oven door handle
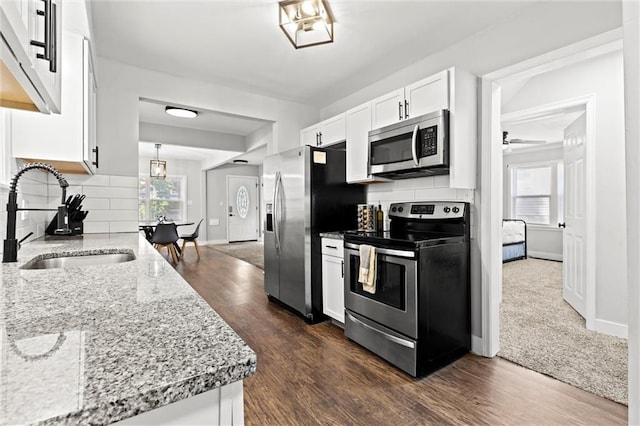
394	339
414	145
388	252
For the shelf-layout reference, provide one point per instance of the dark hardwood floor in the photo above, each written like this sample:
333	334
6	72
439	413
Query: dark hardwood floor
312	374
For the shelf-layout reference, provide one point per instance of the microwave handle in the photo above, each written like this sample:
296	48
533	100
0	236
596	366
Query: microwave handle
414	147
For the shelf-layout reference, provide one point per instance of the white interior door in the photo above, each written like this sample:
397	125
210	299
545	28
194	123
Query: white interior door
574	236
242	208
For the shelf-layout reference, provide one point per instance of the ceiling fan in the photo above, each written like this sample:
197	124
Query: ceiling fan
506	141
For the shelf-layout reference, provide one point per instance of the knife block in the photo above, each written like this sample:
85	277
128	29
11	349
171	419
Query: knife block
77	228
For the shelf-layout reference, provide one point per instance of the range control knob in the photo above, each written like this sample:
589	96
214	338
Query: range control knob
447	209
400	209
455	210
393	209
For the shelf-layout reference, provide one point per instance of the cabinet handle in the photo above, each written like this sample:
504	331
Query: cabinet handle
319	138
53	40
399	110
95	163
47	32
406	109
343	269
332	247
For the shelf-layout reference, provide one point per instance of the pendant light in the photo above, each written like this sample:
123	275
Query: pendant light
157	168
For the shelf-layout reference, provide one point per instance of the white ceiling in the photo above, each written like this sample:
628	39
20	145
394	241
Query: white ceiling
239	44
549	128
152	111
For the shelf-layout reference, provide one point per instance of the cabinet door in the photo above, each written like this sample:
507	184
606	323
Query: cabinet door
57	137
387	109
428	95
332	130
51	81
90	150
17	14
358	122
333	287
310	135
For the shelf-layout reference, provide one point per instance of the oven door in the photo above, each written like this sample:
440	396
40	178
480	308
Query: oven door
394	303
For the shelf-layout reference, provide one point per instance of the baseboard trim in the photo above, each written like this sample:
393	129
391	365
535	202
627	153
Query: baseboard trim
612	328
544	255
477	345
212	242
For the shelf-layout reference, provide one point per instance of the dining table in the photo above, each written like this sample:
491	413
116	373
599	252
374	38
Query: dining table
150	226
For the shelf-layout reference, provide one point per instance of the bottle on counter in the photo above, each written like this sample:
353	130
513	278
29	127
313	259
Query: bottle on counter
379	218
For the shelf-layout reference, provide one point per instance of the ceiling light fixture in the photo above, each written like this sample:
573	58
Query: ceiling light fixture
181	112
306	22
240	162
157	168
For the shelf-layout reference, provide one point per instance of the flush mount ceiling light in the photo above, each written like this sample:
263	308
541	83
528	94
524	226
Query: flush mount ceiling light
181	112
306	22
157	168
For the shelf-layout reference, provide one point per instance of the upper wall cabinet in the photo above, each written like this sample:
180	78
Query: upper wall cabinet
325	133
451	89
30	63
422	97
67	141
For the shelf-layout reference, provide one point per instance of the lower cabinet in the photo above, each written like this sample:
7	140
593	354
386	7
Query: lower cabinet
333	278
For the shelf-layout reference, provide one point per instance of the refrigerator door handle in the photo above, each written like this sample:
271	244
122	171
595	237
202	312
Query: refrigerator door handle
276	211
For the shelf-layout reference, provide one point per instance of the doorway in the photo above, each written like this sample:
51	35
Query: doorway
491	199
242	208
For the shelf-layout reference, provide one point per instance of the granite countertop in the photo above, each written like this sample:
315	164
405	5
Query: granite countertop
97	344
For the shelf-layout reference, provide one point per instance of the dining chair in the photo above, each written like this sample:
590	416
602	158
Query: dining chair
191	238
166	235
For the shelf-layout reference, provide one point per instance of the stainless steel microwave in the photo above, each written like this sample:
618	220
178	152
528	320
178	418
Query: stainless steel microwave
411	148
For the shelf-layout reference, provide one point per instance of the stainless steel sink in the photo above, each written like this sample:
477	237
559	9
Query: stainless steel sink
78	260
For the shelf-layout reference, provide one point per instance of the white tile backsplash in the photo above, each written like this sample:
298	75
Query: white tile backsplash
112	201
124	204
128	226
124	181
112	215
95	227
431	188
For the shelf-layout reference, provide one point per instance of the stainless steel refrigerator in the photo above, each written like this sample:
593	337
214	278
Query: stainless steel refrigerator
305	193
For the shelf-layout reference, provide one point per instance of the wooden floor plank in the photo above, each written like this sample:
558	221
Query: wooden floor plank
314	375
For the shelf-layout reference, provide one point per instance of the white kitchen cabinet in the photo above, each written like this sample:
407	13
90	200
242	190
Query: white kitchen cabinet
30	61
67	141
333	278
310	135
325	133
387	109
358	122
427	95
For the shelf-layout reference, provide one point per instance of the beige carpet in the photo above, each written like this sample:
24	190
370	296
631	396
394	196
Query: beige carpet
249	251
540	331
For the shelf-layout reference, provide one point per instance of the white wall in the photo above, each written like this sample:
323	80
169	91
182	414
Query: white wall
530	32
195	199
544	242
217	198
602	77
120	86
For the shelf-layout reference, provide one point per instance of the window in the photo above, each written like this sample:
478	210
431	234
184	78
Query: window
537	193
162	197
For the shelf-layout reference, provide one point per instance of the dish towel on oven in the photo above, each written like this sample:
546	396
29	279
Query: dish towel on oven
367	273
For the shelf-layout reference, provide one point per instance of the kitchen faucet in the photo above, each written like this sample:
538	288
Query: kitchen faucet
11	244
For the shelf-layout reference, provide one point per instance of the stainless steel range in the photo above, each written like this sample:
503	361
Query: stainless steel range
418	316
